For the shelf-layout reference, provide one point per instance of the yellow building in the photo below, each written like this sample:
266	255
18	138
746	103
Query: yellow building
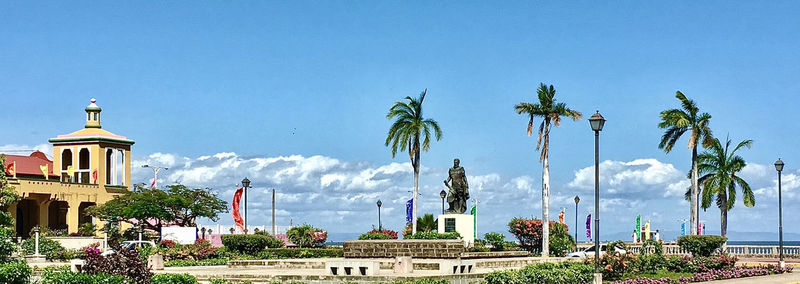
89	167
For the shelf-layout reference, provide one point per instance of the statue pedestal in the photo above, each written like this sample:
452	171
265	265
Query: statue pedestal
463	224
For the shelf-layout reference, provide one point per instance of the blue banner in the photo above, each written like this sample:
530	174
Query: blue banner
683	229
588	227
409	211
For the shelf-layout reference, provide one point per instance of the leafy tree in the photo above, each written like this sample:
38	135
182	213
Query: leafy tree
151	206
405	133
551	112
719	168
7	196
677	122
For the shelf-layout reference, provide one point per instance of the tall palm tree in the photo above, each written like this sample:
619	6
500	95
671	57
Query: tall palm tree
719	168
409	126
677	122
551	113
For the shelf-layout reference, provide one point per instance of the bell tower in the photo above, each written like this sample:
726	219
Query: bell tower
93	115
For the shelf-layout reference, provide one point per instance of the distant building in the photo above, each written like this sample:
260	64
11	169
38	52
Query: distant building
89	167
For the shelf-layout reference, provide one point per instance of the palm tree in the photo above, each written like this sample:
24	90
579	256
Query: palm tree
551	113
409	126
677	122
427	223
719	168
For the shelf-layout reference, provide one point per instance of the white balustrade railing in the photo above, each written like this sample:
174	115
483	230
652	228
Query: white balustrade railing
672	248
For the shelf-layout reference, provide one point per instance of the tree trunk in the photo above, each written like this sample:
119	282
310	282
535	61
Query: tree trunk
693	200
723	218
415	164
546	205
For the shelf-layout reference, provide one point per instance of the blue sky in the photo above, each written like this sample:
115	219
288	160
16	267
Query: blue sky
311	82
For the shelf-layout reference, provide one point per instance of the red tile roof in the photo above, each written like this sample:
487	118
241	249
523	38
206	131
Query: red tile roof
29	165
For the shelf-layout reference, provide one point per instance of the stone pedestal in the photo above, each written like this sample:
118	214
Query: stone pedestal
155	262
464	224
598	278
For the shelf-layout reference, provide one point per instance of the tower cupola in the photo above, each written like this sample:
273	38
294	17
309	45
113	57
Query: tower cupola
93	115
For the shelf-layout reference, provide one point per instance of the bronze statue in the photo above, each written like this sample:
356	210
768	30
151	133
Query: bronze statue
459	189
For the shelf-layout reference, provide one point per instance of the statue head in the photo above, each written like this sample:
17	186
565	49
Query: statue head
456	162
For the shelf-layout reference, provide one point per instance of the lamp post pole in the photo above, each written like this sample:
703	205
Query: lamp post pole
577	199
596	122
380	226
245	184
442	194
779	167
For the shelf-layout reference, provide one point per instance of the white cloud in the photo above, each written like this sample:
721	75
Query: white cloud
637	179
15	149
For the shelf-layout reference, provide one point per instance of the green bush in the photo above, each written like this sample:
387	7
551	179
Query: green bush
15	272
306	236
701	245
7	246
272	241
555	273
81	278
434	236
497	240
47	247
373	236
170	278
561	242
284	253
651	247
248	244
204	262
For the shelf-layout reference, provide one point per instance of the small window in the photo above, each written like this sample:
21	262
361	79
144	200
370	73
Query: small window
95	116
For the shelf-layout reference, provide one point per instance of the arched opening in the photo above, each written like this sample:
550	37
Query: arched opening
57	215
119	168
27	217
83	166
83	216
109	166
66	161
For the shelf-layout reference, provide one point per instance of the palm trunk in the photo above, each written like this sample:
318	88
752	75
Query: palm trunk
693	200
723	218
546	205
415	164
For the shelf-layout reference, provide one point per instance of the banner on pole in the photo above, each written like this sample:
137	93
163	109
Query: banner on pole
409	211
588	226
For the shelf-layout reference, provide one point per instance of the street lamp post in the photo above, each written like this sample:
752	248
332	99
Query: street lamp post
380	226
577	199
155	174
779	167
442	194
596	122
245	184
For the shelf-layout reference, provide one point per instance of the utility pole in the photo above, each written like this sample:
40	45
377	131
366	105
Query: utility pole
274	229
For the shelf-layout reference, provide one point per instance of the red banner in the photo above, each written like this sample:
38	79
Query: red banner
237	218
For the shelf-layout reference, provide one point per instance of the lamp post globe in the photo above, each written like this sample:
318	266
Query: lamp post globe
443	195
597	121
779	168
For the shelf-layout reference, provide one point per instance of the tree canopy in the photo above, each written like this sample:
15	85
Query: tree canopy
177	205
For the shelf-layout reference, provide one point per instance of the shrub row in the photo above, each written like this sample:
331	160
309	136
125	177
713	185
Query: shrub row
283	253
550	273
434	236
250	244
703	245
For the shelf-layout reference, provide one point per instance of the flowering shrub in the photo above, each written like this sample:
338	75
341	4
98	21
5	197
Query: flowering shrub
391	235
307	236
201	249
125	263
615	265
550	273
168	243
713	274
529	234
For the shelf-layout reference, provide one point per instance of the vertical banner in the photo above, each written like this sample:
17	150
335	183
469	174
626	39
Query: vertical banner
683	228
409	210
639	227
474	213
588	226
45	171
647	230
237	217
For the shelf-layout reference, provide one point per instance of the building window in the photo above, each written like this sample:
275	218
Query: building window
109	166
120	167
95	116
83	173
66	161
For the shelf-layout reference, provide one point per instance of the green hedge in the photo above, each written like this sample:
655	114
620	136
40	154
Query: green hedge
550	273
170	278
433	236
16	272
204	262
49	248
373	236
282	253
701	245
81	278
250	244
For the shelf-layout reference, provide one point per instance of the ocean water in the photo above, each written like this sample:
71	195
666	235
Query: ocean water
764	243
